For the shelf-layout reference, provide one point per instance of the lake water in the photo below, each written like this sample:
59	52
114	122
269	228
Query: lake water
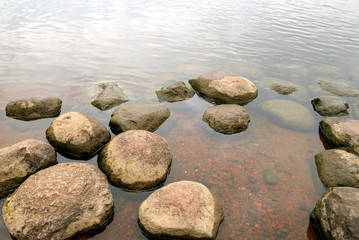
63	48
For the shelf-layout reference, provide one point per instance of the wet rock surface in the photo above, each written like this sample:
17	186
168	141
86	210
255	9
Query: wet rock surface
227	118
20	160
111	96
338	168
34	108
284	88
336	214
175	92
77	135
338	87
181	210
330	106
59	202
223	86
136	160
138	116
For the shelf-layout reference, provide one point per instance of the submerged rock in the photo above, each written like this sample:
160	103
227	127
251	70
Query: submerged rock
111	96
181	210
223	86
227	118
136	160
330	106
77	135
34	108
138	116
175	92
59	202
336	214
284	88
270	178
20	160
338	87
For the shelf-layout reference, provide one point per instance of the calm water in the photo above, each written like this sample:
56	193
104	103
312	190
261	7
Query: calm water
63	48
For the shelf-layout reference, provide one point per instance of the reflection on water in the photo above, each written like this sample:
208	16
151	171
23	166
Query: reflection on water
62	48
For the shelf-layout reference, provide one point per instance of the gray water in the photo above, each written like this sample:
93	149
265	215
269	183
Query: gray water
63	48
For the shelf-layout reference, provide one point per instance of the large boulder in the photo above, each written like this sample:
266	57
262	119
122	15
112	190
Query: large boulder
181	210
59	202
111	96
138	116
77	135
336	214
338	87
34	108
341	133
291	114
338	168
175	92
223	86
136	160
20	160
227	118
330	106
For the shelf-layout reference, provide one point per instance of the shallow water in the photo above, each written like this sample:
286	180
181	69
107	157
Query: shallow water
62	48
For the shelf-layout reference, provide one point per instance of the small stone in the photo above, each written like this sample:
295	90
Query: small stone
330	106
284	88
270	178
175	92
111	96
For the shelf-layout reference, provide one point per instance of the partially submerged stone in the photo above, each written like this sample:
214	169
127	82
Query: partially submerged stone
336	214
338	87
138	116
338	168
136	160
77	135
34	108
330	106
20	160
59	202
227	118
223	86
175	92
181	210
111	96
284	88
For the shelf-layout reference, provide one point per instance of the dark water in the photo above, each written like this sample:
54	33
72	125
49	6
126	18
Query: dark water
63	48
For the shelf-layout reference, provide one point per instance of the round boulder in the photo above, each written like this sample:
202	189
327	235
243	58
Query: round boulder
330	106
59	202
181	210
175	92
223	86
77	135
227	118
136	160
20	160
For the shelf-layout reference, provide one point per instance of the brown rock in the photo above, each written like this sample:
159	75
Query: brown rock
175	92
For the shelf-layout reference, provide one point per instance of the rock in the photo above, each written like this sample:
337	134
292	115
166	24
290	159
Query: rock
223	86
270	178
341	133
20	160
181	210
338	168
175	92
338	87
289	113
77	135
227	118
111	96
136	160
330	106
59	202
284	88
33	108
336	214
138	116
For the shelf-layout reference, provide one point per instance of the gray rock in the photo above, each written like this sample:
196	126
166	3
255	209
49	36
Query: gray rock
289	113
336	214
338	168
33	108
59	202
330	106
284	88
181	210
20	160
111	96
175	92
227	118
136	160
138	116
341	133
338	87
223	86
270	178
77	135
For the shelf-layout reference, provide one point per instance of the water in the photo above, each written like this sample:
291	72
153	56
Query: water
62	48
